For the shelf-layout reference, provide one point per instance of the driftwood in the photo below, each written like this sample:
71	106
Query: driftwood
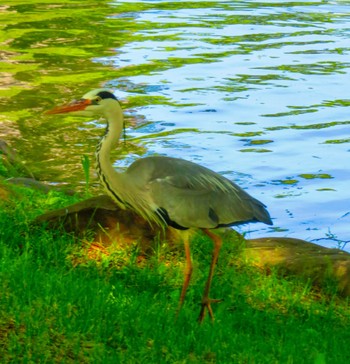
37	185
108	223
21	175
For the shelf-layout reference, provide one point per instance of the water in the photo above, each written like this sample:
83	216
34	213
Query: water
257	91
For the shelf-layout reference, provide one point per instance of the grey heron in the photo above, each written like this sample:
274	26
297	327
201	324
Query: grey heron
168	191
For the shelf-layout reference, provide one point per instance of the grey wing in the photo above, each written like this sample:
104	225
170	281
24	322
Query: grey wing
188	206
189	195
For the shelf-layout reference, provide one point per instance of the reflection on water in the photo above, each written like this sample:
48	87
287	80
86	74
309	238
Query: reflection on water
257	91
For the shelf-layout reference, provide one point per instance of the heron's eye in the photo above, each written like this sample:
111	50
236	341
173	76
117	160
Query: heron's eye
98	99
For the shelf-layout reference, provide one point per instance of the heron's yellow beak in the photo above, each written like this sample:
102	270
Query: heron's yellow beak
76	105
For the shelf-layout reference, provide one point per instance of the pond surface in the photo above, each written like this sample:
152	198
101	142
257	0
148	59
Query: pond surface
255	90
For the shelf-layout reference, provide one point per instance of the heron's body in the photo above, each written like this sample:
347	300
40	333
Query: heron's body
168	191
183	195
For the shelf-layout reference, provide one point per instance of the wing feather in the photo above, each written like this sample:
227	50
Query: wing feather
195	196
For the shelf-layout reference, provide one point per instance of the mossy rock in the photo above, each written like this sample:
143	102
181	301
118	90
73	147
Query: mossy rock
298	257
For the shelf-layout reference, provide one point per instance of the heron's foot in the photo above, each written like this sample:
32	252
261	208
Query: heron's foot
206	305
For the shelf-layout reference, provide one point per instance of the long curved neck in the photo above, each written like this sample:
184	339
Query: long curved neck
109	177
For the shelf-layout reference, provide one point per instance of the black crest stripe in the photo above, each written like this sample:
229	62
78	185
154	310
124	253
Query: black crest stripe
106	95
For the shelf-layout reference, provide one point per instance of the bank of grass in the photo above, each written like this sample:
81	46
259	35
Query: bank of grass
121	310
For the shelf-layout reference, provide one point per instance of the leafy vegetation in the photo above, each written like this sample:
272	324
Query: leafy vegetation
61	305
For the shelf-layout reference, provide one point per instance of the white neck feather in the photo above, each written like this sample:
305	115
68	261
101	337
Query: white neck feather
118	186
110	178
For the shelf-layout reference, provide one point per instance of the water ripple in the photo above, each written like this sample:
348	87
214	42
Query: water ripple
266	93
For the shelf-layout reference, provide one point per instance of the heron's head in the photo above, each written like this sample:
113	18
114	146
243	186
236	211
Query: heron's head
100	102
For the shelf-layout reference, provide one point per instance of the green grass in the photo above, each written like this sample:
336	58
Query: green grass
120	310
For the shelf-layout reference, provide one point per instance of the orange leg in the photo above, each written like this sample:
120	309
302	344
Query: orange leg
206	301
188	272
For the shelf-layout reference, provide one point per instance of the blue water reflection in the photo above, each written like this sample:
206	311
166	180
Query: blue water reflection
257	91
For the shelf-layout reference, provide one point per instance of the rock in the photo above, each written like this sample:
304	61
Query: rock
300	258
108	223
